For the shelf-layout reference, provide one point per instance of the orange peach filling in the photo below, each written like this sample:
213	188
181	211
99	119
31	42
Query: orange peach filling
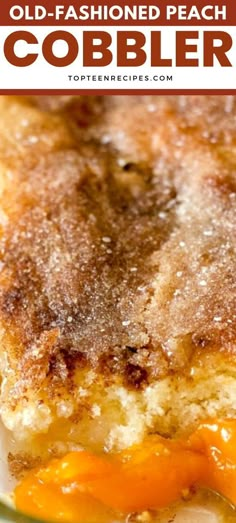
83	487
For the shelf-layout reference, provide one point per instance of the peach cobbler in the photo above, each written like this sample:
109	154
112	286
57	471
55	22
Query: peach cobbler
118	306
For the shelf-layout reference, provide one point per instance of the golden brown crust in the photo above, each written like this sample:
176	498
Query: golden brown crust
117	238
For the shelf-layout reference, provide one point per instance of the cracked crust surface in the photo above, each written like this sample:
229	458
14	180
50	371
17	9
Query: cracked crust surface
117	282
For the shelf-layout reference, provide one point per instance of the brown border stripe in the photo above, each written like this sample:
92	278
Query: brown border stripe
6	20
116	91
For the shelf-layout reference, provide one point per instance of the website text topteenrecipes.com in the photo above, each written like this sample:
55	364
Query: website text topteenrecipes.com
119	78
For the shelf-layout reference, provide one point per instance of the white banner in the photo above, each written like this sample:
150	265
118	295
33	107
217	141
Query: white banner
169	75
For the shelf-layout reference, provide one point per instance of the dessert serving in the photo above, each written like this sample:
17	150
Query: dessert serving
118	306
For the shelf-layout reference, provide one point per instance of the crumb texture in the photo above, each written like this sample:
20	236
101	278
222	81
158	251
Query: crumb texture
117	267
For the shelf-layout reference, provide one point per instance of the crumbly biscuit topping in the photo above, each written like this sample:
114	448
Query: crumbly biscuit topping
117	249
